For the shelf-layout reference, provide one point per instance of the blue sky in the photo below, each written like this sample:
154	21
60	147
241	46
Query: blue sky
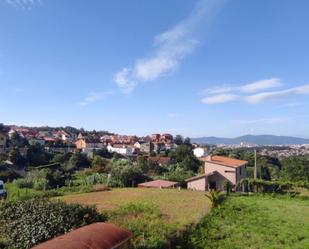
197	68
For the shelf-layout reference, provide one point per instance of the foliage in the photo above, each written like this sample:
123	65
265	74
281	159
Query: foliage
178	174
126	174
26	223
15	157
78	160
100	165
263	186
36	155
184	156
216	198
146	223
295	168
253	222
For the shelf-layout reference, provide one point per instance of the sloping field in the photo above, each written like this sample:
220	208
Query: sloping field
179	206
255	222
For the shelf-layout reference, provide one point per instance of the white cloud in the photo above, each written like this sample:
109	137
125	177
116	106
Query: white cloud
24	4
219	99
94	97
170	48
246	88
228	93
124	81
275	95
261	85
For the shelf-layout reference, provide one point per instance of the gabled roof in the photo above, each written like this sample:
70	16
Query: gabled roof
225	161
194	178
158	184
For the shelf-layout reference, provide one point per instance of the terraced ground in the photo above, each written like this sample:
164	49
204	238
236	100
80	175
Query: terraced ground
180	207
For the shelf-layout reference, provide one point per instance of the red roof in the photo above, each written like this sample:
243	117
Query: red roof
225	161
200	176
158	184
94	236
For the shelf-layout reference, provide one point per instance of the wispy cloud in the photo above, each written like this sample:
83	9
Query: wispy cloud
253	93
96	96
267	96
170	48
219	99
24	4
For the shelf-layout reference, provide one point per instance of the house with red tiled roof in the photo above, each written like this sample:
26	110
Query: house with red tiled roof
217	171
158	184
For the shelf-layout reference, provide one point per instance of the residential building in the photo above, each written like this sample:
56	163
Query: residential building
162	161
122	149
200	152
158	184
88	144
218	170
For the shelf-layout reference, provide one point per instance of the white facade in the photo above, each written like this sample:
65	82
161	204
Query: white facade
200	152
124	150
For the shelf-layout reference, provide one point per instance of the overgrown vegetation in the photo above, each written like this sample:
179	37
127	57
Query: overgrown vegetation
146	222
253	222
24	223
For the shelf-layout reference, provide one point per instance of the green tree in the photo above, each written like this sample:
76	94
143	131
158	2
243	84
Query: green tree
178	140
15	157
99	164
184	156
78	160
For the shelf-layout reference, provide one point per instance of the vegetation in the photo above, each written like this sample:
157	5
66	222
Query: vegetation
175	205
253	222
145	221
26	223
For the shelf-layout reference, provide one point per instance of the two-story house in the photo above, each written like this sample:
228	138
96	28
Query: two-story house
218	170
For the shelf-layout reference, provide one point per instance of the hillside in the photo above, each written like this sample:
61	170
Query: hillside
252	139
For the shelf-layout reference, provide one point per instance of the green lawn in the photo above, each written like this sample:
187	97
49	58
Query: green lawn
180	207
255	222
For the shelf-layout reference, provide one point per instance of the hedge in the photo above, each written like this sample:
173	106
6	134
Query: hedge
25	223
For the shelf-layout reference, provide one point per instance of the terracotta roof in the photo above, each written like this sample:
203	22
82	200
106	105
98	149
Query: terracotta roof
158	184
94	236
226	161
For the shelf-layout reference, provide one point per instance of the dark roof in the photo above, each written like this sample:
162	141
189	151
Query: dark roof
94	236
160	160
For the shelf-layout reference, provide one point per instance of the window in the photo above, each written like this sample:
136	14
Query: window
240	170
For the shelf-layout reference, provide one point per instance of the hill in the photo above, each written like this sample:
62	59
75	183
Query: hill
252	139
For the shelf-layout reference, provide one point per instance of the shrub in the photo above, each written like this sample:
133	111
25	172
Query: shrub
262	186
23	183
26	223
216	198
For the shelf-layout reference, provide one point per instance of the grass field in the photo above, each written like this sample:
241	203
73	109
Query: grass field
179	207
255	222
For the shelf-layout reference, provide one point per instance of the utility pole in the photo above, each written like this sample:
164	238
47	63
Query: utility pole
255	167
255	171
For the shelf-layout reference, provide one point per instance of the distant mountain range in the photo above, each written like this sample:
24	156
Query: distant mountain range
252	139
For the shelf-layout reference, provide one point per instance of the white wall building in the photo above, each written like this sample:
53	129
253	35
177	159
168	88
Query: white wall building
200	152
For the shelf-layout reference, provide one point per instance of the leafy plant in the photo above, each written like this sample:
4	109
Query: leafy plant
216	198
26	223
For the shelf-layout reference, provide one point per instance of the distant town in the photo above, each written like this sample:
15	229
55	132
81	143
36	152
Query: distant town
70	139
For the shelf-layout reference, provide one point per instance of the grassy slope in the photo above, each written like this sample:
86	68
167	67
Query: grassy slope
256	222
181	207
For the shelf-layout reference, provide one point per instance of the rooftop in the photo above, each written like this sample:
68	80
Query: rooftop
158	184
226	161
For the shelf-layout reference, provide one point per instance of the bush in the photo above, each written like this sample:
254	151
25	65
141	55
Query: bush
146	223
26	223
23	183
262	186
